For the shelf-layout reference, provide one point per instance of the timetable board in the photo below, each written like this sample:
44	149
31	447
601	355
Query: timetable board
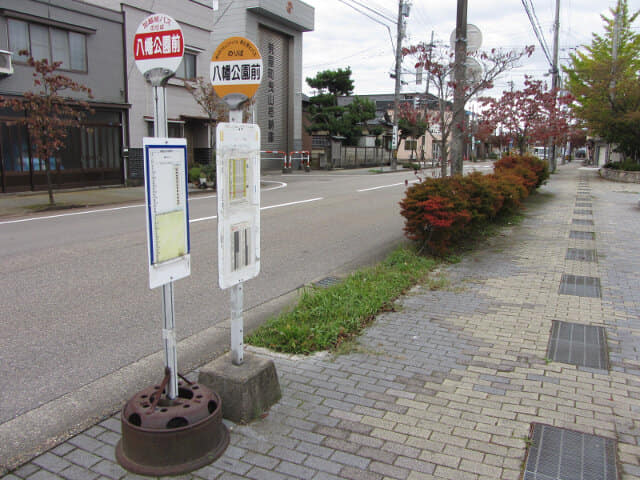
238	174
167	209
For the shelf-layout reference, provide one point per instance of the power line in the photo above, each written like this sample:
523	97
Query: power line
374	11
537	29
371	18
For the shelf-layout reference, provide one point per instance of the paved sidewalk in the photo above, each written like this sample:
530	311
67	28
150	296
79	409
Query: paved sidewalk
449	385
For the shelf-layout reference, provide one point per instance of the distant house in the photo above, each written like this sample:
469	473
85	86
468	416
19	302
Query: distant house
426	148
87	39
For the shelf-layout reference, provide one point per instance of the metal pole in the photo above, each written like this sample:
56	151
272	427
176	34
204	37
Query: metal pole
554	80
160	129
396	95
237	294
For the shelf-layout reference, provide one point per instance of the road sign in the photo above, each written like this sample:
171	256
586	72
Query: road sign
165	170
238	174
474	38
158	44
236	70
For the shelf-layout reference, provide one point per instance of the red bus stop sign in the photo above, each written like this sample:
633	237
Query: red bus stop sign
158	44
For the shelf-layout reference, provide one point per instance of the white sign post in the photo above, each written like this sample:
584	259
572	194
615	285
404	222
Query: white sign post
158	48
236	72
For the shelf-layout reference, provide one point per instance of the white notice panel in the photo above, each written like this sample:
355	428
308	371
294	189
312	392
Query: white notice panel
165	173
238	173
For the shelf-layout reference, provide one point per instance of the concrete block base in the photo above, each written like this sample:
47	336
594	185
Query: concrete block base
247	390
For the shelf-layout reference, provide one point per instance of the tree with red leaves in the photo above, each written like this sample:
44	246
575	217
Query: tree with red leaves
48	115
412	123
440	64
533	114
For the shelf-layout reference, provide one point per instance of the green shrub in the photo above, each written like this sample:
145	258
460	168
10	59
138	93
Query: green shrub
209	171
627	165
194	174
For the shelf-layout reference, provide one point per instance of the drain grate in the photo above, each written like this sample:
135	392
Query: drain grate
579	286
576	344
584	204
581	254
327	282
580	211
561	454
579	235
577	221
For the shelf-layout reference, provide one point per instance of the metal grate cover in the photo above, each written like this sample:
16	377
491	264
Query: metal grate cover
579	286
576	344
327	282
584	204
577	221
580	211
580	235
581	254
561	454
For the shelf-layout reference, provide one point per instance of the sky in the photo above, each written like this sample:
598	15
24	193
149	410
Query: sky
344	37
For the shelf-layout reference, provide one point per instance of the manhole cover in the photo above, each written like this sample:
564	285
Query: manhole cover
579	286
327	282
577	221
579	235
580	211
576	344
581	254
561	454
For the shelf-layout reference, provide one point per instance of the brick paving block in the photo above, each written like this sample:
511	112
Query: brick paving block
76	472
51	463
26	470
258	473
82	458
351	473
109	469
321	464
44	475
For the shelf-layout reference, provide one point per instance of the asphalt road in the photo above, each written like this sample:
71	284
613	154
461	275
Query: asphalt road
81	329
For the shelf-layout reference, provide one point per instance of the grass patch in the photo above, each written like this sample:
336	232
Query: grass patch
325	318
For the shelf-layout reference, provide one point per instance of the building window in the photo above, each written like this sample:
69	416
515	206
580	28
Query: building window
187	68
410	145
52	44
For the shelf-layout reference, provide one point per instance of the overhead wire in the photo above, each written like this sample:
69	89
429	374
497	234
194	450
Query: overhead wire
371	18
536	29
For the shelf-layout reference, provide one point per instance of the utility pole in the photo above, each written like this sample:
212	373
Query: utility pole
459	127
555	81
431	45
403	11
614	61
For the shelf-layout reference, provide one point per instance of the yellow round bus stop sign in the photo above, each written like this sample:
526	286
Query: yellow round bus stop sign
236	70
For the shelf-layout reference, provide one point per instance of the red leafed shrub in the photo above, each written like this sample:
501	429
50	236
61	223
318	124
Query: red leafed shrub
484	197
441	211
534	171
513	191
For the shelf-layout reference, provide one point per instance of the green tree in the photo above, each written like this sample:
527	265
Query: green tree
48	115
328	116
334	82
607	92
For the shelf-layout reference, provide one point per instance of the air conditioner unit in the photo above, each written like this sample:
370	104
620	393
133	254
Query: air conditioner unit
6	66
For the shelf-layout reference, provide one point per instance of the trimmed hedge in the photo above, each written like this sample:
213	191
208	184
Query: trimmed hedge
440	212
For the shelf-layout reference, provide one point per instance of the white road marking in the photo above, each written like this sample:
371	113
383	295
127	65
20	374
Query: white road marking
385	186
194	220
138	205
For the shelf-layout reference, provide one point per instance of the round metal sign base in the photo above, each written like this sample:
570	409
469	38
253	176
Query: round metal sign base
169	437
